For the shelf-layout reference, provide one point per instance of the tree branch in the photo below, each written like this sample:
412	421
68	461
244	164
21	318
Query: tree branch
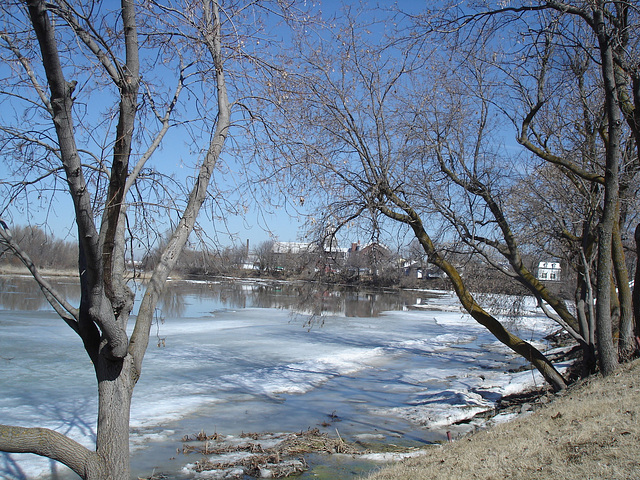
110	65
523	140
66	311
30	73
50	444
211	33
112	228
164	120
518	345
93	305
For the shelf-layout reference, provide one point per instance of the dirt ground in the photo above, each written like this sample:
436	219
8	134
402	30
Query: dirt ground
591	431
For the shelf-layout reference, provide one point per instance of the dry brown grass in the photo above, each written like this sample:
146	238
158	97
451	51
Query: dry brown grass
47	272
590	432
261	455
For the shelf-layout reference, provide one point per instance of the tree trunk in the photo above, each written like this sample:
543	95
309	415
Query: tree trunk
521	347
111	458
106	301
636	291
584	305
607	353
627	341
115	388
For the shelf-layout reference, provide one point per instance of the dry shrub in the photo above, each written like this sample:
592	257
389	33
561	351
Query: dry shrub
282	459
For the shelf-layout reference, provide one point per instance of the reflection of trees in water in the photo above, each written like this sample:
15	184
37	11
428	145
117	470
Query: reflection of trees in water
229	294
306	298
172	302
23	293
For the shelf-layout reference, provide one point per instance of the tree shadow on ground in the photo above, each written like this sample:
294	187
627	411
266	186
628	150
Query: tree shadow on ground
69	419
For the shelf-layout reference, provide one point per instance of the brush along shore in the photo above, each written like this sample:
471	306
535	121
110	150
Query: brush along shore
590	431
258	455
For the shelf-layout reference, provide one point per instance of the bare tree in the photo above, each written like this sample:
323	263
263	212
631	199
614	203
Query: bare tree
476	184
600	151
266	256
73	51
389	139
348	101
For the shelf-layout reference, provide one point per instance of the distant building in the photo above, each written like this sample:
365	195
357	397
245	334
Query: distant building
134	264
420	270
294	248
549	271
370	259
412	269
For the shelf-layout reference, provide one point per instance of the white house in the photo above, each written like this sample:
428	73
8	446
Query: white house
549	271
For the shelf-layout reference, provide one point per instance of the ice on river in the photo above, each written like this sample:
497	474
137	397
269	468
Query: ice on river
231	366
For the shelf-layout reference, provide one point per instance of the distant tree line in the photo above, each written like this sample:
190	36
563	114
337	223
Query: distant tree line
389	269
406	267
44	249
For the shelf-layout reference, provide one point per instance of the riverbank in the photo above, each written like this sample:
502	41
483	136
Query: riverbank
21	270
591	431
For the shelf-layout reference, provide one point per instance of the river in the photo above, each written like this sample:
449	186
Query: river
233	356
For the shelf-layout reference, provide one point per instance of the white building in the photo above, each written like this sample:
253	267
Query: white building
549	271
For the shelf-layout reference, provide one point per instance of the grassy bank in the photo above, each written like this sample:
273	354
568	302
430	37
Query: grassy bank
592	431
46	272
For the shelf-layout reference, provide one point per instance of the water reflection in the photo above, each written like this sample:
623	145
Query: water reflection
23	293
316	300
306	298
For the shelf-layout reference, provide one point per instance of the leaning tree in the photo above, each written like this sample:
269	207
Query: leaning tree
352	143
410	124
572	72
517	65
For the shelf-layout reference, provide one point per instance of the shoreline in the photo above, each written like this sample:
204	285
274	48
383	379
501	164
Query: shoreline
45	272
590	430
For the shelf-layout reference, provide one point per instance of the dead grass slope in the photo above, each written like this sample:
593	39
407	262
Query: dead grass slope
590	432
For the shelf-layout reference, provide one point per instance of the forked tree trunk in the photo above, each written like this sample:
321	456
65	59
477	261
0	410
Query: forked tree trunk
106	302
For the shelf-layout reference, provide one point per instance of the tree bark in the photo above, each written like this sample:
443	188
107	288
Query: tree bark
636	290
607	353
116	380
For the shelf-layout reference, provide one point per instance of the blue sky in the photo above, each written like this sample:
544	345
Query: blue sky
257	224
